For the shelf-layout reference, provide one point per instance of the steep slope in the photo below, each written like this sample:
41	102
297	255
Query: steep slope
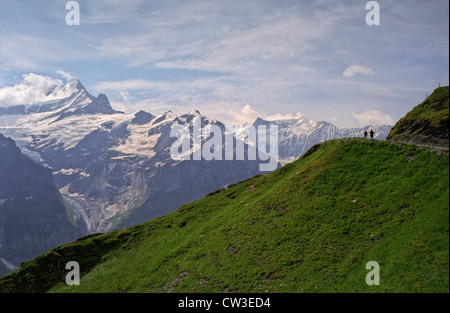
33	217
310	226
427	123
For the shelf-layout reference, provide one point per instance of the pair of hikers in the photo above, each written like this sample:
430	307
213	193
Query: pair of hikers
371	133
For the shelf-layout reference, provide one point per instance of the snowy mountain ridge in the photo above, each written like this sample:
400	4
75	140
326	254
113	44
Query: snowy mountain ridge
115	169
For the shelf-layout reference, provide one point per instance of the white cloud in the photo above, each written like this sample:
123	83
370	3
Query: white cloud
356	69
132	84
372	118
119	106
236	114
125	95
220	97
65	75
245	114
284	116
32	89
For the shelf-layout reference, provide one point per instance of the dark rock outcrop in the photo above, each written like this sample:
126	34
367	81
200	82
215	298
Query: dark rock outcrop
33	218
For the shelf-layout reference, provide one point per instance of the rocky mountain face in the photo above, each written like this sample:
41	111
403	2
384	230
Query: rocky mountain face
428	123
33	217
116	170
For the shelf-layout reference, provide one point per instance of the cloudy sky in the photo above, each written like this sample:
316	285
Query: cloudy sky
232	60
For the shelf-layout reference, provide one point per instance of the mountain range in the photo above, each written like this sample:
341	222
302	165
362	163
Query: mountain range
114	170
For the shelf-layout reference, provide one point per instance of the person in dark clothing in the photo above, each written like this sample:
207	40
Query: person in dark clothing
365	134
371	133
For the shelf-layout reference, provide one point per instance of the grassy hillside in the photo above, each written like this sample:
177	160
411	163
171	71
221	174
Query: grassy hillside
310	226
427	123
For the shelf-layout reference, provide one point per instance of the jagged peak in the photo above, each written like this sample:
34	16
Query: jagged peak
259	120
169	115
74	83
102	98
141	112
142	117
194	113
56	92
99	105
297	119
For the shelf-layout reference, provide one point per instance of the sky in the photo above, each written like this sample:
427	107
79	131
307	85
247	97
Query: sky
233	60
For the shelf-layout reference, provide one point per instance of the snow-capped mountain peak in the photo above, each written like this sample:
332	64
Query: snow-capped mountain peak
59	92
74	84
142	117
194	113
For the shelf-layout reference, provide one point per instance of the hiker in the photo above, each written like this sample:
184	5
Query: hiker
365	134
371	133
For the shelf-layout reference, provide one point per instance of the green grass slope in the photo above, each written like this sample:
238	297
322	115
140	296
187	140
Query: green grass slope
428	123
310	226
